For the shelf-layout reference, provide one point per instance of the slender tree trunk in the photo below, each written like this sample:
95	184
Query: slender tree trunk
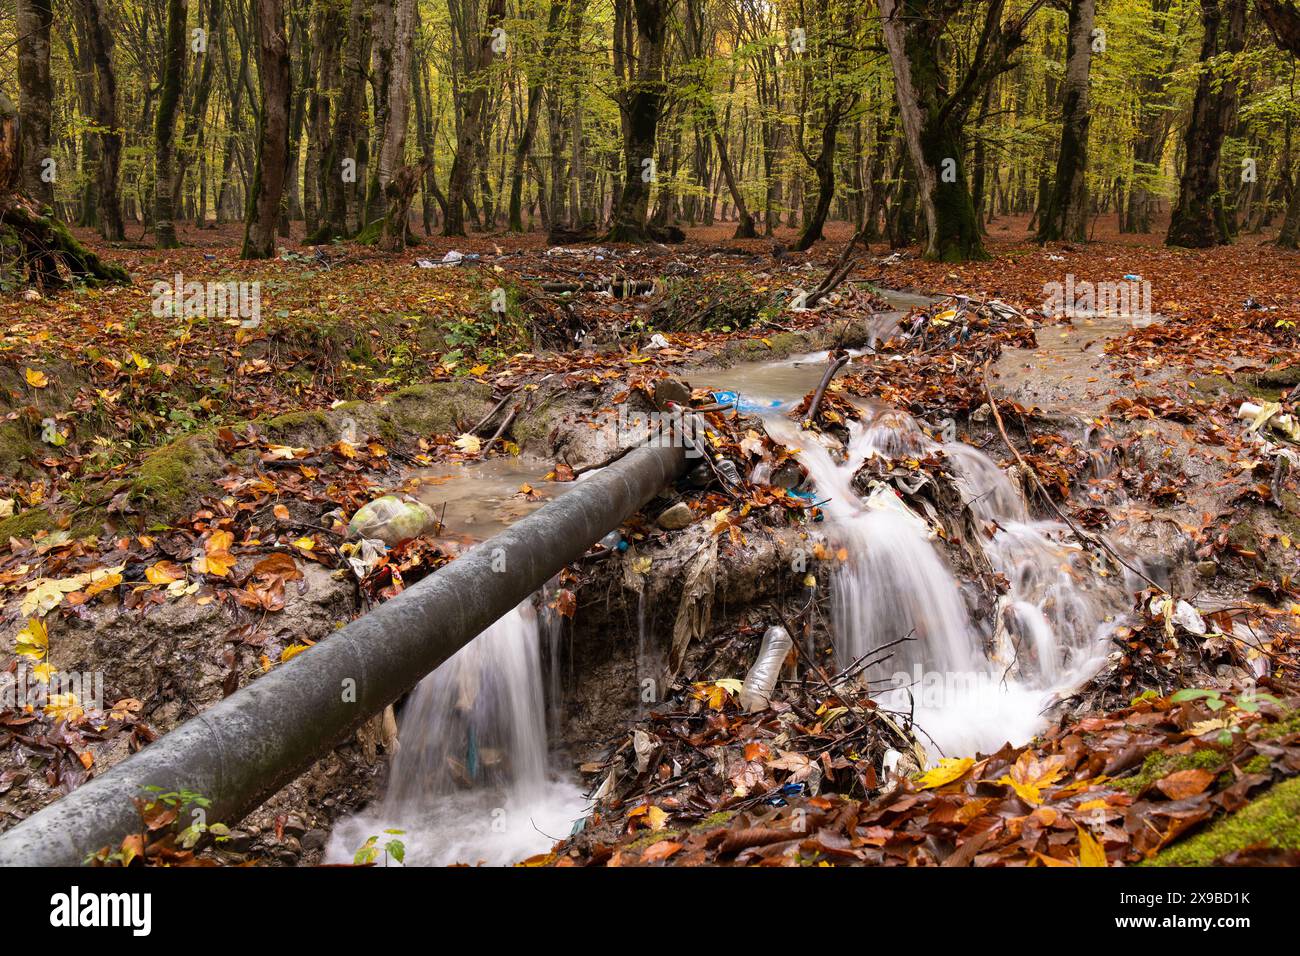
272	164
164	202
35	96
469	136
1066	213
99	37
554	22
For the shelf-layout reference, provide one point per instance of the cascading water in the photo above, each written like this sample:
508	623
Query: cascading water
970	687
470	781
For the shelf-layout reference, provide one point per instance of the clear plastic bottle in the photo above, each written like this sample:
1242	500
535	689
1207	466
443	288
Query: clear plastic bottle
761	680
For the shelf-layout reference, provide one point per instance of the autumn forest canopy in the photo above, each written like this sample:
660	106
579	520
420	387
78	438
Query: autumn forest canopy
379	120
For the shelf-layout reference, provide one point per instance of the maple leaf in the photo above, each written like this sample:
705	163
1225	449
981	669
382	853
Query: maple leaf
1029	776
36	379
33	641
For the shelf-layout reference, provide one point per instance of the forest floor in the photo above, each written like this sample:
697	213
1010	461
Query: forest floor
175	490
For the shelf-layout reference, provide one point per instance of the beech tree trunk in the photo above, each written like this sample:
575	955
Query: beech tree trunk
164	192
98	37
932	118
272	163
1066	213
640	105
1198	220
34	100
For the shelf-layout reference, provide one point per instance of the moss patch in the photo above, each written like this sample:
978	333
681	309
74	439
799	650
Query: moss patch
1272	819
1159	765
26	524
172	478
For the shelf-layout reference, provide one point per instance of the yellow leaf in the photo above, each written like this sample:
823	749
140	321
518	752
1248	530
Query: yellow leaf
33	640
305	544
470	444
478	370
63	707
102	584
949	769
164	572
35	378
1029	776
658	818
220	541
292	651
1091	852
142	363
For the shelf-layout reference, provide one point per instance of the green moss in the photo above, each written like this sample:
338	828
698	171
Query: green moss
17	448
1159	765
1272	819
26	524
652	837
1289	724
1257	764
714	820
435	408
171	478
298	428
1254	386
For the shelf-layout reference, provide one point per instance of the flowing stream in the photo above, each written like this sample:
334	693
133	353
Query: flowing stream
471	781
971	684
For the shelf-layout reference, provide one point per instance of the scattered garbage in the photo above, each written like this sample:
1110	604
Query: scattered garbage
391	520
761	679
885	498
364	556
1269	414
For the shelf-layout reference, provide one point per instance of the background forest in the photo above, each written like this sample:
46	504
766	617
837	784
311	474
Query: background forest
638	116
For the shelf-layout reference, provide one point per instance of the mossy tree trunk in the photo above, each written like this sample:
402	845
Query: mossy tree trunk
1198	220
933	118
44	245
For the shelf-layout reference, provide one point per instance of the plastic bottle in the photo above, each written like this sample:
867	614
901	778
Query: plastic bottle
762	677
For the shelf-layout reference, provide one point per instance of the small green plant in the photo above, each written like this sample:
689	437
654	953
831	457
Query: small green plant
369	851
1247	702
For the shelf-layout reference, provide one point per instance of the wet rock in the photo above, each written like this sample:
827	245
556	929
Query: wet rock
294	824
676	517
314	840
1207	569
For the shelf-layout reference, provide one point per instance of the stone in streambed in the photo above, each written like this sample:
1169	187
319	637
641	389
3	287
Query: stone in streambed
676	517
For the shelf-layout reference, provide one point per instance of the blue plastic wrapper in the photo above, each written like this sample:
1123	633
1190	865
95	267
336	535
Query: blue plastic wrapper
742	404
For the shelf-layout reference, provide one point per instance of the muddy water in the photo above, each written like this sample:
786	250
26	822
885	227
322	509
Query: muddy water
480	499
